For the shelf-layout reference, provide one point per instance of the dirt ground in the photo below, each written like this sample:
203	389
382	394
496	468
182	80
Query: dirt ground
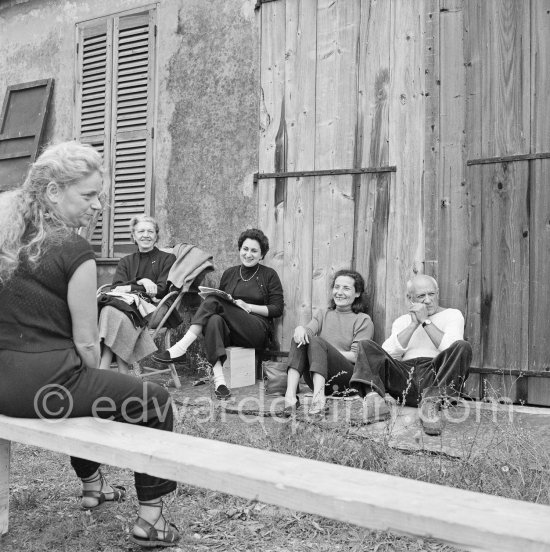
44	512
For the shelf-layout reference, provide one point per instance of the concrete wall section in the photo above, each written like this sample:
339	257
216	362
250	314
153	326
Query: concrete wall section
212	83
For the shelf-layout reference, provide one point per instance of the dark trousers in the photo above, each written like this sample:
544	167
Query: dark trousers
322	358
55	384
409	380
225	324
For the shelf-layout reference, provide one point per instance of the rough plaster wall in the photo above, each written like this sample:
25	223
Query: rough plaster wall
37	41
206	115
213	84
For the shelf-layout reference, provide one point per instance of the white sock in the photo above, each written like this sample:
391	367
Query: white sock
217	369
180	348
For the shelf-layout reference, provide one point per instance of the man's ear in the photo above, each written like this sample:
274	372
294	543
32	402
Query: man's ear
53	192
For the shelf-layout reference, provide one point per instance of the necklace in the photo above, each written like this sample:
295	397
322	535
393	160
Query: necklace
247	279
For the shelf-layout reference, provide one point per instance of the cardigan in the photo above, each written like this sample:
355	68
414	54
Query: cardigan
155	265
270	287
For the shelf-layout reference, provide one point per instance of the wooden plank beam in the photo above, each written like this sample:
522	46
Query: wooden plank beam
377	501
301	44
372	193
272	143
407	114
4	484
539	233
338	25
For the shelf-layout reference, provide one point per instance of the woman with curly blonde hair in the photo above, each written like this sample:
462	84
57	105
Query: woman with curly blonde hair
48	324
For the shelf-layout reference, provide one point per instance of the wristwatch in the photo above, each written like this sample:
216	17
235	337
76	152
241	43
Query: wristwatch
426	322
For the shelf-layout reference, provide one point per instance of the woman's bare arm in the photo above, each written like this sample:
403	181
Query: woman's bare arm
81	298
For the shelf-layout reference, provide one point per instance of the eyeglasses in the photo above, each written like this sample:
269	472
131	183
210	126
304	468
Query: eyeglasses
430	295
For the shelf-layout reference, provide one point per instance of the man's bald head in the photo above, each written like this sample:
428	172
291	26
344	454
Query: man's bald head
420	280
424	289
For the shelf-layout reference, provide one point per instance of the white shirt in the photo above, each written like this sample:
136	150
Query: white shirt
449	321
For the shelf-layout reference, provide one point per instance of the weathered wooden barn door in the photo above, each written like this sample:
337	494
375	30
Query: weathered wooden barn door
506	49
334	124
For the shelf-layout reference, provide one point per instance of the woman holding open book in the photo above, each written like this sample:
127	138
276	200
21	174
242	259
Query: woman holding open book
242	316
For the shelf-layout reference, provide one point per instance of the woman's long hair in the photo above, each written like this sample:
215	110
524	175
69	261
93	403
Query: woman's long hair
28	222
359	304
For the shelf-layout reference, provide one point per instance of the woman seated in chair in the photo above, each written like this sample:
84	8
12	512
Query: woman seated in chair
324	351
144	272
246	322
48	326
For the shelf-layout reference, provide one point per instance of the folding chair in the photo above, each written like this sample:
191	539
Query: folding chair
188	272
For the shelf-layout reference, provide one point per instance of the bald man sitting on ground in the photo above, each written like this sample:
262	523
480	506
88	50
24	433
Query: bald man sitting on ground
425	361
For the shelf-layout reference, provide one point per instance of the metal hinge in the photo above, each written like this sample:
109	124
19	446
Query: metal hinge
152	133
155	31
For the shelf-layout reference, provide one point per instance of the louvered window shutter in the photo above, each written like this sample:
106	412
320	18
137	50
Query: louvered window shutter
126	113
132	140
93	104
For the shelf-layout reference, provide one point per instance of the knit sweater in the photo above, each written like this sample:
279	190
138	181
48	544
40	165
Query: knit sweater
154	265
270	288
449	321
267	281
343	330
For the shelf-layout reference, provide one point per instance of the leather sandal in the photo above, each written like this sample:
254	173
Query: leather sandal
118	492
152	538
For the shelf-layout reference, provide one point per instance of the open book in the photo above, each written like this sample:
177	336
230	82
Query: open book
206	291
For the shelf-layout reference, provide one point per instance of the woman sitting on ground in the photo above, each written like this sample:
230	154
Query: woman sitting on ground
247	322
144	272
48	325
324	351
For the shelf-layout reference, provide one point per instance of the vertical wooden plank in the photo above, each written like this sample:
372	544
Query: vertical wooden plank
539	293
540	75
453	193
372	191
472	331
300	66
473	18
505	30
370	236
272	133
338	24
405	252
430	189
4	485
505	266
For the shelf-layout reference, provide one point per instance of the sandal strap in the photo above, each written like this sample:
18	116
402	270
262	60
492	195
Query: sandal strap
152	534
93	478
158	504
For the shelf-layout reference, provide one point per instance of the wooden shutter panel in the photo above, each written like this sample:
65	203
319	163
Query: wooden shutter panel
133	72
22	124
93	103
